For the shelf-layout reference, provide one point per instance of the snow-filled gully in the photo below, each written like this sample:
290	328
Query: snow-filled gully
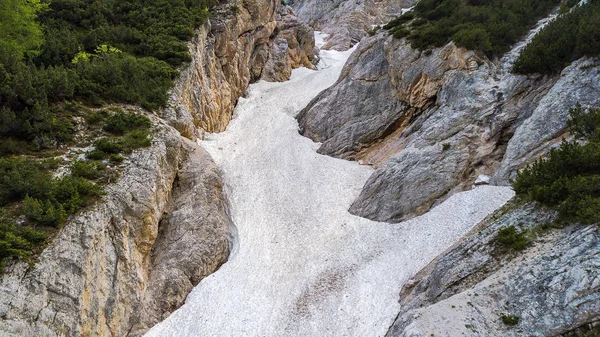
304	266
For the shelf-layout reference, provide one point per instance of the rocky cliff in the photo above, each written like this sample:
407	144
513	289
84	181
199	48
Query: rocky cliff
432	122
109	272
478	287
257	39
130	260
347	22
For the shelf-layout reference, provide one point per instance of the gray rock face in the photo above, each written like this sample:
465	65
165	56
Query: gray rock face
552	286
347	130
195	236
578	83
432	122
347	22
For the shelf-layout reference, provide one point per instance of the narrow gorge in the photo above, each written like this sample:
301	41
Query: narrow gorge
314	171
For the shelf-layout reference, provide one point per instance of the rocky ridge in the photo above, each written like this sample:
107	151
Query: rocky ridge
432	122
115	257
116	269
550	289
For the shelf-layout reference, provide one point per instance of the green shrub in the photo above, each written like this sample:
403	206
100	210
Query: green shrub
109	145
115	158
136	139
20	177
96	117
569	178
33	208
46	200
86	169
120	77
511	238
121	122
17	241
510	320
96	155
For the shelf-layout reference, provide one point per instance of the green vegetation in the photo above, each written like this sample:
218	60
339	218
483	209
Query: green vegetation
490	26
19	32
91	51
122	122
46	200
17	241
571	36
510	320
28	186
56	57
568	180
132	132
513	239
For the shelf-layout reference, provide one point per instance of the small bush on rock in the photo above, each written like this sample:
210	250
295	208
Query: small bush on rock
511	238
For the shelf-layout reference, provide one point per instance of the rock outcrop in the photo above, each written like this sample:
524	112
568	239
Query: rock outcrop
550	289
126	263
243	42
109	271
292	46
431	122
347	22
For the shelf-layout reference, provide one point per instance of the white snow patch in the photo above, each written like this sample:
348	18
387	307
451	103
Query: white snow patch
482	179
303	265
320	39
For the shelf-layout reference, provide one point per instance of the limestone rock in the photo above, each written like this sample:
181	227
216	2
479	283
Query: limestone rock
347	22
340	116
431	122
228	53
552	286
195	236
578	83
292	47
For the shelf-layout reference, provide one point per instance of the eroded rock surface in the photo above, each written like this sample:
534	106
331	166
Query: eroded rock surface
233	49
292	46
431	122
553	287
109	264
347	22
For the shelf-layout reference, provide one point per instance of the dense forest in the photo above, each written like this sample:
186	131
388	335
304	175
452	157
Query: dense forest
490	26
572	35
64	59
